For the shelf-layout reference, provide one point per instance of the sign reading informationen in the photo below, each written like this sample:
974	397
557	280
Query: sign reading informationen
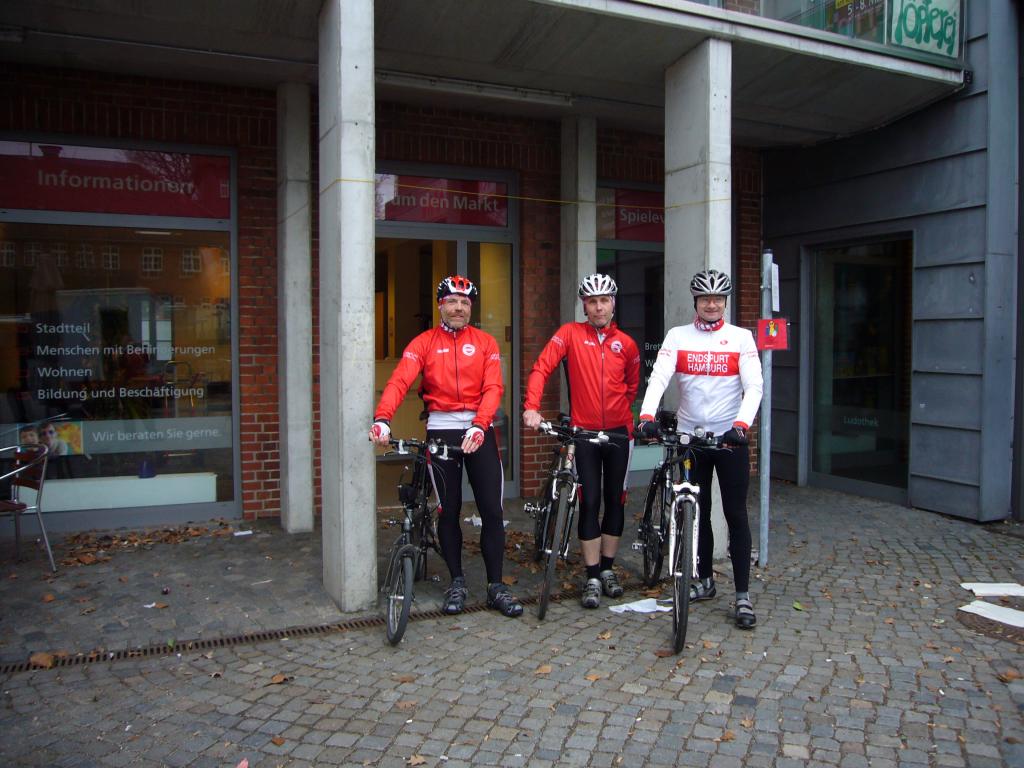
926	25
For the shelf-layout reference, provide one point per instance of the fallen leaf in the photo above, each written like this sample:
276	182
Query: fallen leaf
278	679
277	741
747	722
87	610
417	760
663	653
1009	675
40	659
708	645
405	678
509	580
727	736
606	635
407	704
543	669
48	598
123	579
160	605
593	676
87	559
797	605
890	621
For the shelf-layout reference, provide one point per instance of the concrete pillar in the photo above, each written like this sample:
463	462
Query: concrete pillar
579	214
698	188
294	304
346	140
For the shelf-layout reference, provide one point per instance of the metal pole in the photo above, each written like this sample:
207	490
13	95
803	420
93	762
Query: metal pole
764	452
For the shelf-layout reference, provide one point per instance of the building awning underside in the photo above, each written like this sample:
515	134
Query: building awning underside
535	58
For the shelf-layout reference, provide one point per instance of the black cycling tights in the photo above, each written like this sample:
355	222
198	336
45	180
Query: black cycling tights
602	472
487	480
733	469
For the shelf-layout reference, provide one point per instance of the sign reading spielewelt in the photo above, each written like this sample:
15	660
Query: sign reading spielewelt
932	26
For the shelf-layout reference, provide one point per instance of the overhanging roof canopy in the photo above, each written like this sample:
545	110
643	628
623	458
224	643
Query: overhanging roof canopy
543	58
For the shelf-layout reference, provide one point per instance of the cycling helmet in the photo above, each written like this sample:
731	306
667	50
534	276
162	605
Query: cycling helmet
456	284
710	282
597	285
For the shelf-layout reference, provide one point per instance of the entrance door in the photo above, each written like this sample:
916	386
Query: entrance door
861	369
407	273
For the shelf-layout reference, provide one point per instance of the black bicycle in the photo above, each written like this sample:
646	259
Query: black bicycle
408	561
555	510
671	521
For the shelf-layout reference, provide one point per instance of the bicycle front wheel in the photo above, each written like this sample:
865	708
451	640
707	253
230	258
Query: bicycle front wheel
399	594
652	529
544	524
555	550
682	569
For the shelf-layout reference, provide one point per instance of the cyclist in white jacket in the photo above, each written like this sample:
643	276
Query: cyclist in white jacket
718	372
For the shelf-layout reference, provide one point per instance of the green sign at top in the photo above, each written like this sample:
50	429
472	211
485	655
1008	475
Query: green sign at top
926	25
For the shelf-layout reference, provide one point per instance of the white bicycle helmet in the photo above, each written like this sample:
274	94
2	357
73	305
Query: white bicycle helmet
597	285
710	282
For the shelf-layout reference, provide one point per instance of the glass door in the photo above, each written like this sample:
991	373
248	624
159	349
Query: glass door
861	368
407	273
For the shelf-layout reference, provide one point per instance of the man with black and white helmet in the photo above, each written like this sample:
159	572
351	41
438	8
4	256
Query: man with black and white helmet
603	367
718	372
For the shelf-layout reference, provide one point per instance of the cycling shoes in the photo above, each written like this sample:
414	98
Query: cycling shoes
501	599
455	596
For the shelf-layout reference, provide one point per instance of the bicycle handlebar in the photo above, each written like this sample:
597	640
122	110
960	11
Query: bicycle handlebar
696	439
436	448
565	434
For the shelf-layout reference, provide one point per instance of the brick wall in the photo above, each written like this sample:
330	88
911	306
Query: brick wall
126	109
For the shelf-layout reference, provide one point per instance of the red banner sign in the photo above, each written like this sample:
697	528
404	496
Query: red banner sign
63	177
441	201
773	333
631	214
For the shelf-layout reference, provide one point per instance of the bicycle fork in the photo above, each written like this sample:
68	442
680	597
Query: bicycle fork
683	492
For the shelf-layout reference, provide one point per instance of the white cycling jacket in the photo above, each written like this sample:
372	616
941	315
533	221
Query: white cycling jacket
718	374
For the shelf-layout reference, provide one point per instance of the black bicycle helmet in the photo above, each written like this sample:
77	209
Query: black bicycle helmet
456	284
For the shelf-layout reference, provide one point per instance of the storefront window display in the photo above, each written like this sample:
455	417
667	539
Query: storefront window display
115	341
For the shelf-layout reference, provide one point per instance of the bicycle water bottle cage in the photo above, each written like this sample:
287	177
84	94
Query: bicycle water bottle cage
407	493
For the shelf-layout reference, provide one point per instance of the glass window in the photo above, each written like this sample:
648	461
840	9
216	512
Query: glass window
8	254
191	264
32	251
84	257
130	388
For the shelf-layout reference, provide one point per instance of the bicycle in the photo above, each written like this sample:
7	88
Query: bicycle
671	521
408	560
554	512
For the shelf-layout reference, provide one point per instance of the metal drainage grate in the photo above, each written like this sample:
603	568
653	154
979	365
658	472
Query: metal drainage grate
192	646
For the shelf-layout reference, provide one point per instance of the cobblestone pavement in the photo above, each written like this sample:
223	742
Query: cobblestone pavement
858	660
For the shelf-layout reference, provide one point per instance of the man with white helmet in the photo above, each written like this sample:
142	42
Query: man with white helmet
603	368
718	372
461	388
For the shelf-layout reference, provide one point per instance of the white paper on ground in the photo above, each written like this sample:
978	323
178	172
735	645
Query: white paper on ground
648	605
476	521
1003	615
982	589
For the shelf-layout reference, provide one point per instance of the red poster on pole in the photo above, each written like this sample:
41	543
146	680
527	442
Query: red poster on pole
773	333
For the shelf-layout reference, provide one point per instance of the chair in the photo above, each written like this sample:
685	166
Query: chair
29	472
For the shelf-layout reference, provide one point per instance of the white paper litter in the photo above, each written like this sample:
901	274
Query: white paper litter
475	520
243	533
1002	614
983	589
648	605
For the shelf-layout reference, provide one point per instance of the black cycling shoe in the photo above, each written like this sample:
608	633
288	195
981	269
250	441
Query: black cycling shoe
702	590
745	618
455	596
501	599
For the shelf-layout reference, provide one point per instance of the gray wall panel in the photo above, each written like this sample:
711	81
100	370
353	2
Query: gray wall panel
951	346
950	498
783	466
946	399
954	291
785	388
953	237
784	431
945	453
941	185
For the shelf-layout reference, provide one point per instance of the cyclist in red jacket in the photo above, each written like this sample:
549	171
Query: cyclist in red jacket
462	388
603	368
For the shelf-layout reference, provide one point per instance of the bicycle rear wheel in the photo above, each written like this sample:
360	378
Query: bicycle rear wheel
652	529
682	569
554	550
399	592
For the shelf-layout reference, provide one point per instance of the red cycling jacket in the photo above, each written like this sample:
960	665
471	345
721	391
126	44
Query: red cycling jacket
461	372
603	376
